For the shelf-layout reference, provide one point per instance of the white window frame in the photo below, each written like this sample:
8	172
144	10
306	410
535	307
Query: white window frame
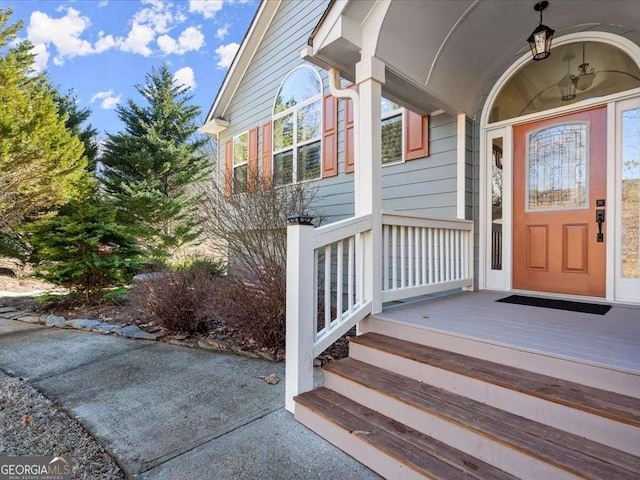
626	289
233	160
294	111
402	112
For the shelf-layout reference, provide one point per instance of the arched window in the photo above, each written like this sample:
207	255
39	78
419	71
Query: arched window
574	72
297	127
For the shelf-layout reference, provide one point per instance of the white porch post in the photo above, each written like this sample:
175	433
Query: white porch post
300	292
368	178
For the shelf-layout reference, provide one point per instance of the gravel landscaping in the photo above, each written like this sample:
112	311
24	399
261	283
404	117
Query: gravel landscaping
31	424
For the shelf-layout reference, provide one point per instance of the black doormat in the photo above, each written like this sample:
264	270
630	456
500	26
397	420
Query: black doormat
595	308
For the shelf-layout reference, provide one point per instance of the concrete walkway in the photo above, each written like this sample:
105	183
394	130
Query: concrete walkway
170	412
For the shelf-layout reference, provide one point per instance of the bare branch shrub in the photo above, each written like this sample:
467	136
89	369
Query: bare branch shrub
253	226
257	306
180	301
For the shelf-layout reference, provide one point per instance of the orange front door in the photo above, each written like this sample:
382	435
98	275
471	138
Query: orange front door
559	185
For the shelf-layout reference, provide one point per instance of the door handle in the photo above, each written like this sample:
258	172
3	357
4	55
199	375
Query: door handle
600	221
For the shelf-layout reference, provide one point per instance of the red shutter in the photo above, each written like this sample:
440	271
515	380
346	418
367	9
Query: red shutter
330	137
228	176
252	167
266	154
348	138
416	139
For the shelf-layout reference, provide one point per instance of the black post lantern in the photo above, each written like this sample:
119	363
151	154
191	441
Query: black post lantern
540	38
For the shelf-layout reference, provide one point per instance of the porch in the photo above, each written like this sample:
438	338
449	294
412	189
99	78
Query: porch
610	341
458	385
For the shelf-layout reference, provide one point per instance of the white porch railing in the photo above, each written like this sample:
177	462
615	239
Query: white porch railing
326	293
423	255
327	288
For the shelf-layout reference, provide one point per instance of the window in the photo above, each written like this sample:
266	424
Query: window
297	128
558	168
240	162
391	132
630	193
535	87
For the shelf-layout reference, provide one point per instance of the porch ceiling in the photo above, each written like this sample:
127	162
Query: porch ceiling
443	54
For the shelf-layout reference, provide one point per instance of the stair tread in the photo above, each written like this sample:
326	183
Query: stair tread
420	452
565	450
615	406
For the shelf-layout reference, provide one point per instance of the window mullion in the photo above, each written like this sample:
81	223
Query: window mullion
294	174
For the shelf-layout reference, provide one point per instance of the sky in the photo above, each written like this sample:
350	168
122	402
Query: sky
101	49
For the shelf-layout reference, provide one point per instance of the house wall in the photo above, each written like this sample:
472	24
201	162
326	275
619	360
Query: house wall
626	32
426	185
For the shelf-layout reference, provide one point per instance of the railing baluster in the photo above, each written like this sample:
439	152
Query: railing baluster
350	272
431	278
403	259
394	258
440	257
410	256
327	287
457	251
450	254
316	271
339	278
423	277
385	257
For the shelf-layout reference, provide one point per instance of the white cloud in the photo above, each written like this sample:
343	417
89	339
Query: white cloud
208	8
226	53
104	43
109	101
189	40
159	16
64	33
185	76
138	40
103	3
41	59
222	31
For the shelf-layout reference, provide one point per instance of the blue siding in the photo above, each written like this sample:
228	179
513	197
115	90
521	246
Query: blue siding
425	185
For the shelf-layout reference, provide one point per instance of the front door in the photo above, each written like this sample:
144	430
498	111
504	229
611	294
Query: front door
559	185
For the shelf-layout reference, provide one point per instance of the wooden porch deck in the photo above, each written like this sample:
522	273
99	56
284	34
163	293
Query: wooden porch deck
611	340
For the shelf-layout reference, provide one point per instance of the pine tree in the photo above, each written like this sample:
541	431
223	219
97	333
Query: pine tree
75	121
83	246
41	161
153	162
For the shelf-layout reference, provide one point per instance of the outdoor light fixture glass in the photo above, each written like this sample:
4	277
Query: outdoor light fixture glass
540	39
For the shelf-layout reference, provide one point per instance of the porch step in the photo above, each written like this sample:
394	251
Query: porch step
604	377
606	417
520	446
402	452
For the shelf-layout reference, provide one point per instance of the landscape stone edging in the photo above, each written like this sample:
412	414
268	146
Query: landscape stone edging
89	325
130	331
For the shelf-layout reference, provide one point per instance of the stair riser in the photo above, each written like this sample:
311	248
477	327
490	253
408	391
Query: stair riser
378	461
596	376
603	430
484	448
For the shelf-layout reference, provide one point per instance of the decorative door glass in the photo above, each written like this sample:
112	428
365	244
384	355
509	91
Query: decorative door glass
557	168
496	204
631	193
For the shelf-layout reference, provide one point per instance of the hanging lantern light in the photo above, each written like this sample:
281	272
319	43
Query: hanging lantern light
567	88
540	38
567	84
587	75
